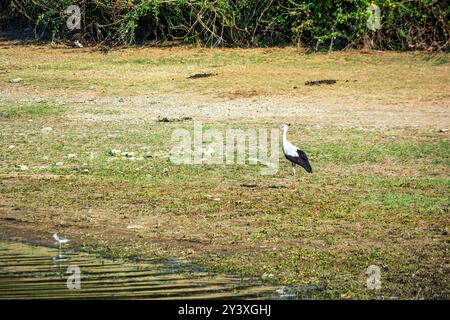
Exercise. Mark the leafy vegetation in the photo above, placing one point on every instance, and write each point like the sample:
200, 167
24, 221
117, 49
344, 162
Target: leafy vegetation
420, 24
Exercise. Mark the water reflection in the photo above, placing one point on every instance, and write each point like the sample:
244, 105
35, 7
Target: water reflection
36, 272
58, 263
28, 272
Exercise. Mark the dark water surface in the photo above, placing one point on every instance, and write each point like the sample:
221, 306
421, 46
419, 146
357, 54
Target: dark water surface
37, 272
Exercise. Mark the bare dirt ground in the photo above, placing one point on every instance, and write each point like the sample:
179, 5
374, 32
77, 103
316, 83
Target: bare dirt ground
373, 90
319, 111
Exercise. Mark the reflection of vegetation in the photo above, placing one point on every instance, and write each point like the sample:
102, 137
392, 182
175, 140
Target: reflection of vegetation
405, 25
107, 276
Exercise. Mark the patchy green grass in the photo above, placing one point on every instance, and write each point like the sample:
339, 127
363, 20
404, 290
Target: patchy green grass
31, 110
409, 202
370, 201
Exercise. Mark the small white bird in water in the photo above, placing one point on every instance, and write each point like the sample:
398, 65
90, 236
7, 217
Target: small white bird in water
60, 240
294, 154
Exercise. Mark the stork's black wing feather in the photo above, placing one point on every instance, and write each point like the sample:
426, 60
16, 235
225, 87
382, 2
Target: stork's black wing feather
301, 160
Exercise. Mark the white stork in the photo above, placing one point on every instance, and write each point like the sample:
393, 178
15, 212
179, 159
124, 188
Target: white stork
294, 154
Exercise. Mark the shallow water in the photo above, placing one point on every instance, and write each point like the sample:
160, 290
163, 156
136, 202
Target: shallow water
37, 272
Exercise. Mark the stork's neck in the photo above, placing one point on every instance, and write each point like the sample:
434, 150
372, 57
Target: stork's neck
284, 136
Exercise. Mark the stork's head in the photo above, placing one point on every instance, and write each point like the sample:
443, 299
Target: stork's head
284, 127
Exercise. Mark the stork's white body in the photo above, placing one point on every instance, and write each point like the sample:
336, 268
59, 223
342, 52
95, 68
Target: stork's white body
294, 154
288, 148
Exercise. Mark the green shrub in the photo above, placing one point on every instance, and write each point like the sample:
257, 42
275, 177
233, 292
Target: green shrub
420, 24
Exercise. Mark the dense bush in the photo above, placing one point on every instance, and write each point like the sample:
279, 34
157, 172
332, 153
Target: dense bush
420, 24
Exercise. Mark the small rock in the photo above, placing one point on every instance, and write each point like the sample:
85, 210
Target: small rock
134, 226
11, 146
312, 287
320, 82
15, 80
23, 167
78, 44
59, 164
202, 75
71, 156
149, 155
163, 119
209, 151
120, 100
443, 130
86, 170
139, 159
128, 154
114, 152
46, 129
